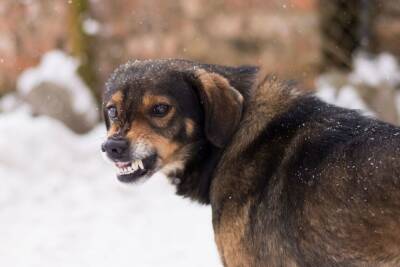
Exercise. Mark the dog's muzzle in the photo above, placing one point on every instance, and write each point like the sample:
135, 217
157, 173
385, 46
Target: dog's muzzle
131, 161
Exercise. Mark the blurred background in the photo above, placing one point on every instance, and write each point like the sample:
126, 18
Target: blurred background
60, 204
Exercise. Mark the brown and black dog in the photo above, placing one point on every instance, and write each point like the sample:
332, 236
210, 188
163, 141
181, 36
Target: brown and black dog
292, 181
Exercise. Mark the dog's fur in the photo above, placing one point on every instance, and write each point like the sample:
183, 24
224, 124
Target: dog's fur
292, 181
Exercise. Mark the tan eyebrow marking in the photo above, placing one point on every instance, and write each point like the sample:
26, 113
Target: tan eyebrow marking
149, 100
116, 99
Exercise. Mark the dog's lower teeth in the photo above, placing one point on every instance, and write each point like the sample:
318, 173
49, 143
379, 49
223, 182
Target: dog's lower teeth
124, 171
135, 165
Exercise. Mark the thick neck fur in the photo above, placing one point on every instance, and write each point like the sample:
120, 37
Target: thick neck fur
262, 104
197, 176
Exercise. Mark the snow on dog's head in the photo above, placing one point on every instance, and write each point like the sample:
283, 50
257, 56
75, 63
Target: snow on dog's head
170, 116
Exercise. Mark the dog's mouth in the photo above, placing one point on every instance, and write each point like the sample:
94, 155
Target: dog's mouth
131, 171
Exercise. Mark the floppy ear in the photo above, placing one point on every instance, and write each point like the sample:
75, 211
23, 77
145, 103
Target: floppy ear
222, 106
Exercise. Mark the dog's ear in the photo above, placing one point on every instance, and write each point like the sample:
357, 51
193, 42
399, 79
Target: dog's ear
222, 105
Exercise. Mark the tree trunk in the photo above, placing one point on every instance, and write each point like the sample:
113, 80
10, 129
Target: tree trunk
82, 45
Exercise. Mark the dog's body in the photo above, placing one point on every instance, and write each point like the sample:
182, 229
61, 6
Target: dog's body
292, 181
310, 185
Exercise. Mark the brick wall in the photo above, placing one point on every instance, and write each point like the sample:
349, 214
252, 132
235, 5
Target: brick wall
27, 30
280, 35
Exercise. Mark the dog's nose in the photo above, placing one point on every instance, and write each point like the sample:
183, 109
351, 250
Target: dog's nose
115, 148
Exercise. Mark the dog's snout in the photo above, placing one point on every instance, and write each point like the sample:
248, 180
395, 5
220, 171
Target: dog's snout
115, 148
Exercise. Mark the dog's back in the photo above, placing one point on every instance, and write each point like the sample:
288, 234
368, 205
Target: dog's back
317, 185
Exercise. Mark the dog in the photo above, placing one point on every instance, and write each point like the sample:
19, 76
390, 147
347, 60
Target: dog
291, 180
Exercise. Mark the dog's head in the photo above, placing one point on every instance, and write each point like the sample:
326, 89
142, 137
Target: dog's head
158, 113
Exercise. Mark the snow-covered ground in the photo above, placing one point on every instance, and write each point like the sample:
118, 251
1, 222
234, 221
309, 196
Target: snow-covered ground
61, 205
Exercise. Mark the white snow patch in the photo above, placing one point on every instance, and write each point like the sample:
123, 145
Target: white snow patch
375, 70
381, 70
325, 90
61, 205
11, 102
91, 26
61, 69
346, 97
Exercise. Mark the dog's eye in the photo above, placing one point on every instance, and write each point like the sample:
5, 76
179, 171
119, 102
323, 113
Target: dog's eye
160, 110
112, 113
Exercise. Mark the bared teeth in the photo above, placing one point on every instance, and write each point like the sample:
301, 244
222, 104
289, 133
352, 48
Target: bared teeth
135, 165
140, 164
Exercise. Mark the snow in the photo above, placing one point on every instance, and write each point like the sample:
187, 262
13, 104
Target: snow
91, 26
11, 102
59, 68
375, 70
378, 71
61, 205
346, 96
